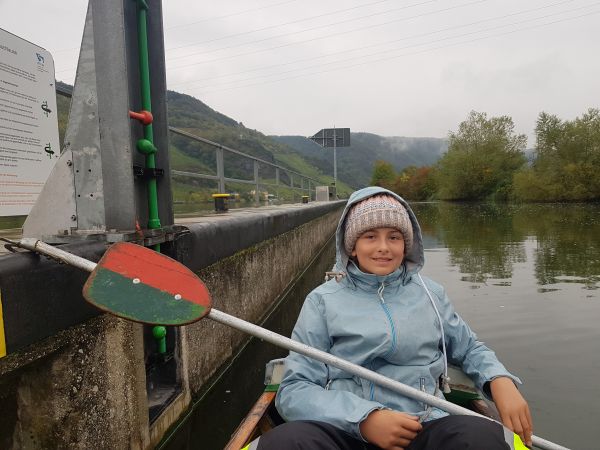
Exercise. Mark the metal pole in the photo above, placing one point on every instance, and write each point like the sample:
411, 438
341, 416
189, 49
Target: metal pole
334, 159
257, 195
294, 346
220, 170
149, 151
328, 358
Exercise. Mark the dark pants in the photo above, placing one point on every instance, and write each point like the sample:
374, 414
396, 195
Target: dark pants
447, 433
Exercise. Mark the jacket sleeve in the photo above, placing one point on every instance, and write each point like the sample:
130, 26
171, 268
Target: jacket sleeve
464, 349
303, 393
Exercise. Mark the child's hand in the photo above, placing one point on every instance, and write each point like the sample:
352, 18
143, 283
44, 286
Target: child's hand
390, 430
513, 409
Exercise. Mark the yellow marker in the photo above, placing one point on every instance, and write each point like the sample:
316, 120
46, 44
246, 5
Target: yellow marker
518, 443
513, 440
252, 445
2, 340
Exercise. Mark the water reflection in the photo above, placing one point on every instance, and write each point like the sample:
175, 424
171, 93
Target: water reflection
485, 241
568, 242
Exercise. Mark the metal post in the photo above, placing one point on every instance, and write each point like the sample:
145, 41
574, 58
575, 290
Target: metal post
220, 170
334, 159
256, 196
277, 182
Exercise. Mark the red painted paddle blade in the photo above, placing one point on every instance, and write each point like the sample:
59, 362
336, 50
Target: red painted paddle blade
136, 283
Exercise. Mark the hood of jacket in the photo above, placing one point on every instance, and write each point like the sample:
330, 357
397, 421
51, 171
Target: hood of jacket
413, 259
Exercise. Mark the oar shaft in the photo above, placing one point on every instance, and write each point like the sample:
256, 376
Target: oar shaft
332, 360
354, 369
289, 344
38, 246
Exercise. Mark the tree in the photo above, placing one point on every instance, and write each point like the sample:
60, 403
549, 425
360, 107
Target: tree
415, 183
481, 159
567, 157
383, 174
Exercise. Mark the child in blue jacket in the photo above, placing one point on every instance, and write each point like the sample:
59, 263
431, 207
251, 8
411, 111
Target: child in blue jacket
380, 313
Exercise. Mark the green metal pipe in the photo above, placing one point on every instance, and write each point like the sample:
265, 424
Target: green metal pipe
153, 219
159, 333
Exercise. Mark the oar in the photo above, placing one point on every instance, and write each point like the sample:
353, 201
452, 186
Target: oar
139, 284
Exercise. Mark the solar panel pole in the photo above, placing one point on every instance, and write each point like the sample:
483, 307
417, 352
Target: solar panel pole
327, 138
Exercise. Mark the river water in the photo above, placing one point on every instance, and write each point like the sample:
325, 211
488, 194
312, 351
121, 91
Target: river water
524, 277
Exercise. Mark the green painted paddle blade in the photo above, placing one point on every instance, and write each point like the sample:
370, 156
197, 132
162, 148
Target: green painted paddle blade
136, 283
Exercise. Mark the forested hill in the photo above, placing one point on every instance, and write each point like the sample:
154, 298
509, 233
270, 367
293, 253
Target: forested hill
355, 163
192, 115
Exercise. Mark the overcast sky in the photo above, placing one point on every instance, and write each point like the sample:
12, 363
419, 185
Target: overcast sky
391, 67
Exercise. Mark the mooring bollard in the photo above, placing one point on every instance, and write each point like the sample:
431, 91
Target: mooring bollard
305, 199
221, 202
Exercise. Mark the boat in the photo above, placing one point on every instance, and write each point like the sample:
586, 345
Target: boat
263, 416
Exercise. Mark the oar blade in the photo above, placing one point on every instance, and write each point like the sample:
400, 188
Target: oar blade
136, 283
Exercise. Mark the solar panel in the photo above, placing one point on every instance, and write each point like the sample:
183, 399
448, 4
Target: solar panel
325, 137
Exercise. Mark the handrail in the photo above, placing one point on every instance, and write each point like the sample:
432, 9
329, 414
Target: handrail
237, 152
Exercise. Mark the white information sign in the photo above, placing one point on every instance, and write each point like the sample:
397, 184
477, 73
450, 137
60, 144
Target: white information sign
29, 145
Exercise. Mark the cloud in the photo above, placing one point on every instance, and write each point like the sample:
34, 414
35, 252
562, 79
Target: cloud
292, 67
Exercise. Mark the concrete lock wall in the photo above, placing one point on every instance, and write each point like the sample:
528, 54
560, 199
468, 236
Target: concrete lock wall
85, 386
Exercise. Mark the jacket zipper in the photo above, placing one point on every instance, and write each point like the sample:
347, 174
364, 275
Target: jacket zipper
422, 387
389, 317
388, 314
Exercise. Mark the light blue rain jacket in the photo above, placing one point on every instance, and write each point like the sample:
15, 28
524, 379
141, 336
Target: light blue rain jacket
386, 324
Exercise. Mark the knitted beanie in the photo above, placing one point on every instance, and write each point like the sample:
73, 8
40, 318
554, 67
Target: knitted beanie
379, 211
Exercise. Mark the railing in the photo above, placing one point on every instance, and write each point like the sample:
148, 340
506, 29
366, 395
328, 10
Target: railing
306, 184
222, 179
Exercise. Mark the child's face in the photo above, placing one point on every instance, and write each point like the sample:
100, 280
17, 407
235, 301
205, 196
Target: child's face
379, 251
